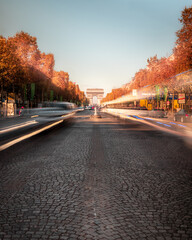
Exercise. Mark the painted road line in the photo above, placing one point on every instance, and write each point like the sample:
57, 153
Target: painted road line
17, 126
138, 117
167, 125
11, 143
177, 124
159, 122
181, 125
149, 118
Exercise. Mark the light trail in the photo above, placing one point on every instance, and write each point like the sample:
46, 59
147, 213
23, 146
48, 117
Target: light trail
11, 143
17, 126
157, 126
151, 123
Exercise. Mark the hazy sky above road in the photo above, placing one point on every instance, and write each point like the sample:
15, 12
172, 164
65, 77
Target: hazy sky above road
101, 43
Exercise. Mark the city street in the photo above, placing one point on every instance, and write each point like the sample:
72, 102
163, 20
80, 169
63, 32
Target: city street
97, 178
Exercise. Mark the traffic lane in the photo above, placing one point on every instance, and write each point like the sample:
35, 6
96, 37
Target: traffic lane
183, 130
144, 115
28, 158
18, 127
8, 139
32, 116
151, 172
97, 179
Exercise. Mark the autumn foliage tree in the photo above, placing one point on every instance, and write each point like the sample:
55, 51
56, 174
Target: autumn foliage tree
183, 49
71, 90
118, 92
161, 70
23, 64
10, 66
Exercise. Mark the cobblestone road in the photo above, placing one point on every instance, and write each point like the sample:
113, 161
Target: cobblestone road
97, 179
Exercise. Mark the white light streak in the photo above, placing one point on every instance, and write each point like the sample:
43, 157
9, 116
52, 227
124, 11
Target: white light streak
17, 126
11, 143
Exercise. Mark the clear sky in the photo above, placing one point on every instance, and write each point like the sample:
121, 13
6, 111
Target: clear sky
100, 43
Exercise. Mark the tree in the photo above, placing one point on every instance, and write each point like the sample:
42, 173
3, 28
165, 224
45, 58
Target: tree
26, 48
10, 69
22, 65
61, 79
46, 64
183, 49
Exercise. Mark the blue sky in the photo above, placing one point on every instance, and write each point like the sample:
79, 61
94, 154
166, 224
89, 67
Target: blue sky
101, 43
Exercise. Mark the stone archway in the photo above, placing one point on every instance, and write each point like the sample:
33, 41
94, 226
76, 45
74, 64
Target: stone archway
95, 92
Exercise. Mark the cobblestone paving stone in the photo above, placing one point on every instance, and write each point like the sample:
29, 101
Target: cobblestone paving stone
97, 179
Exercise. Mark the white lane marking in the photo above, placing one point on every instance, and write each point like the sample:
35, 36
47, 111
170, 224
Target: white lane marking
14, 127
11, 143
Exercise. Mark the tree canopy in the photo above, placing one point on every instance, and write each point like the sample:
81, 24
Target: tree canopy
22, 64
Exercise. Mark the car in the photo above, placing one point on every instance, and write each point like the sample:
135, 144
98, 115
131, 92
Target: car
183, 116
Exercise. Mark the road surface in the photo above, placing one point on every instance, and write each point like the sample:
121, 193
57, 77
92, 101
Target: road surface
97, 178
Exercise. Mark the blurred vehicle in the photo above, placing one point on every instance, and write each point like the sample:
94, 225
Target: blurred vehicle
51, 111
183, 116
157, 113
61, 105
80, 108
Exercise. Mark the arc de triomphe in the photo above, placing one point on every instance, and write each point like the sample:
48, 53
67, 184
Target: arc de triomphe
95, 92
